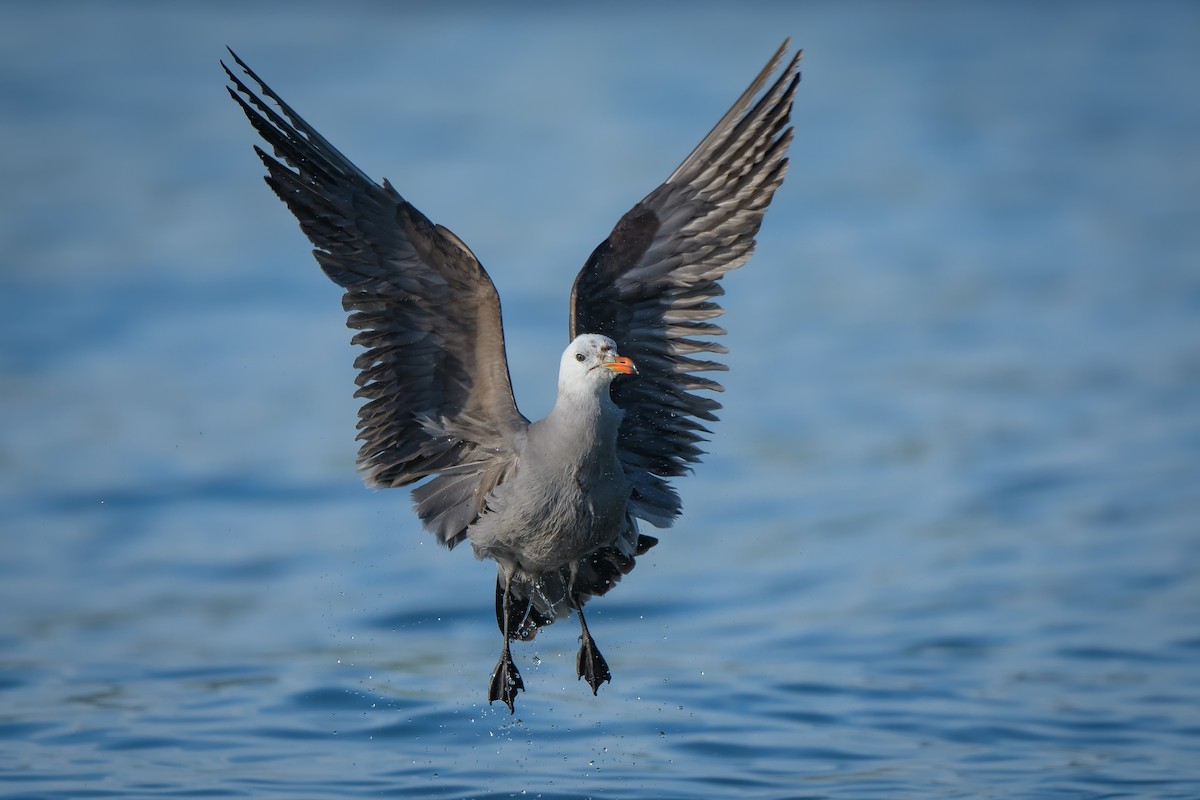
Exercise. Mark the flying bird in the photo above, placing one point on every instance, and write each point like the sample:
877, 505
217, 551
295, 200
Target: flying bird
556, 502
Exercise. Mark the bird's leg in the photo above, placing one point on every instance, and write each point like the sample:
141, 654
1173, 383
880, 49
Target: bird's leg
506, 681
589, 663
511, 613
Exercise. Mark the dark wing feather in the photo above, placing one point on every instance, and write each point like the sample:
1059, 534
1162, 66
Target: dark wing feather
434, 375
651, 286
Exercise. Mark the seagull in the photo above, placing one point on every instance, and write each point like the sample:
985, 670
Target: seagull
554, 503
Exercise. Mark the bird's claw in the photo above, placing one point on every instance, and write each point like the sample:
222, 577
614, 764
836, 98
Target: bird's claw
506, 682
589, 664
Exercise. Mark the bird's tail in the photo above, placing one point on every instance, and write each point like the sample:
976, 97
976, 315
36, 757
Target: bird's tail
537, 602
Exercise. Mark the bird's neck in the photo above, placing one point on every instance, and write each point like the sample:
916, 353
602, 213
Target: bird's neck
585, 417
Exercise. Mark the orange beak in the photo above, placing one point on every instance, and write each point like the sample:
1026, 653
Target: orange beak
622, 365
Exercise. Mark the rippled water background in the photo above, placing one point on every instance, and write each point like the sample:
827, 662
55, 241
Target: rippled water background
947, 543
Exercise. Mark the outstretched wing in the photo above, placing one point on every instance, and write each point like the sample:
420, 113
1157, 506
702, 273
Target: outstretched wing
651, 285
434, 375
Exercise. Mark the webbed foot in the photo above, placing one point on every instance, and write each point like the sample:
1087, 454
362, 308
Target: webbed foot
506, 681
590, 665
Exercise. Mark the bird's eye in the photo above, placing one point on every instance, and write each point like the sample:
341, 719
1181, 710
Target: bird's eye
580, 357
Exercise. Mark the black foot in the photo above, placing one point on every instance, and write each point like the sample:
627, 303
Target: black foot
590, 665
506, 682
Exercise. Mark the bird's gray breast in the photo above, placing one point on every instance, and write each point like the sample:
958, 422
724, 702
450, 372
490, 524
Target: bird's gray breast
567, 498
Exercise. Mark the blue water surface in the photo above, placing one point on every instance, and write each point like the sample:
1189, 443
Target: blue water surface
946, 542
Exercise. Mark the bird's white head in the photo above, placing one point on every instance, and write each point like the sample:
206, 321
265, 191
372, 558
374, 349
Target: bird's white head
592, 361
